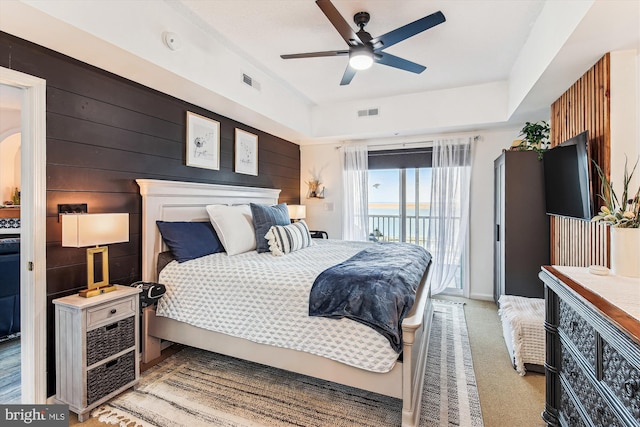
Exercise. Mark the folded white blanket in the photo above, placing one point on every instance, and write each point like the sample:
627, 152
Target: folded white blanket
525, 319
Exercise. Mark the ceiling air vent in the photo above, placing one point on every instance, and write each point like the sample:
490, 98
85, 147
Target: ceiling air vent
368, 112
250, 81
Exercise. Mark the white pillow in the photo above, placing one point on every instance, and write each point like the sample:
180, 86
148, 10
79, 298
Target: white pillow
284, 239
234, 226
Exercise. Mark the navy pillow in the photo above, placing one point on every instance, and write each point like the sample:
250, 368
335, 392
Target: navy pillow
189, 240
265, 217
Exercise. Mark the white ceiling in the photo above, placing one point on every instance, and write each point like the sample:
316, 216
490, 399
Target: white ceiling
492, 63
478, 43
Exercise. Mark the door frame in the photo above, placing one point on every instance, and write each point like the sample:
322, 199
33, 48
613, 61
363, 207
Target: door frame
33, 216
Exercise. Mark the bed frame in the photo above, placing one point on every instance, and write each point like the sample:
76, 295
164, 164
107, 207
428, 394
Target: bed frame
184, 201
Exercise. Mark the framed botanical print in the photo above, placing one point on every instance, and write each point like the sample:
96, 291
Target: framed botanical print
246, 152
203, 142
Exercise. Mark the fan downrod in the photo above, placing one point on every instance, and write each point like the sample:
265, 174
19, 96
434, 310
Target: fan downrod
361, 19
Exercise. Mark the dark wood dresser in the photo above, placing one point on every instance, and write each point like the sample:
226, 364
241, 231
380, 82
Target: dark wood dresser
592, 348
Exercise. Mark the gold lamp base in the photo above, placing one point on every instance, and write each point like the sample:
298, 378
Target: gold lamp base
95, 288
88, 293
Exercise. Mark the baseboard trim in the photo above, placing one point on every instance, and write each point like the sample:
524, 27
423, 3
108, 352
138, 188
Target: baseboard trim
483, 297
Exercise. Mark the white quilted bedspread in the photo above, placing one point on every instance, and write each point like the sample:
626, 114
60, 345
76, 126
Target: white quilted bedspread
265, 299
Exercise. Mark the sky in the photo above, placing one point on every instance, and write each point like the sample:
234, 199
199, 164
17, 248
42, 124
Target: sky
384, 185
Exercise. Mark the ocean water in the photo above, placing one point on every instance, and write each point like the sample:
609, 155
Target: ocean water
388, 229
394, 209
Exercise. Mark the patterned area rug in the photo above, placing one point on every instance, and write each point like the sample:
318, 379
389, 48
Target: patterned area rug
199, 388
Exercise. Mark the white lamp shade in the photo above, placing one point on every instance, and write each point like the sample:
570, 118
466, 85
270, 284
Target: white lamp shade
80, 230
297, 211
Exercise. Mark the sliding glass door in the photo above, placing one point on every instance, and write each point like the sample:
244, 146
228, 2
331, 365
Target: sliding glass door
399, 208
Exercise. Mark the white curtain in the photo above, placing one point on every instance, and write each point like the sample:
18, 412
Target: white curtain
355, 219
449, 214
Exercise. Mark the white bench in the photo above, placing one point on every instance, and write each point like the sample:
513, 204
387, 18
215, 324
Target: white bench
523, 329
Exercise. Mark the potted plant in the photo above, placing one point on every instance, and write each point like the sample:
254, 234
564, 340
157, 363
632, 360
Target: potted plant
536, 138
623, 215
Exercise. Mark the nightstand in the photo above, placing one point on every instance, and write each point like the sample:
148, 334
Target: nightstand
97, 343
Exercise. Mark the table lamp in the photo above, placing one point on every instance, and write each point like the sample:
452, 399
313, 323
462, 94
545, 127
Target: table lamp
82, 230
297, 212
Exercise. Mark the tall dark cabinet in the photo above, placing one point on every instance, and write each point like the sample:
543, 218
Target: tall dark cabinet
521, 226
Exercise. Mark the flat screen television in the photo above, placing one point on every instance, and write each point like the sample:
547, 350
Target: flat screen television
567, 178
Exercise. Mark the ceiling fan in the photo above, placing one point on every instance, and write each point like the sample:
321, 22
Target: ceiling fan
364, 50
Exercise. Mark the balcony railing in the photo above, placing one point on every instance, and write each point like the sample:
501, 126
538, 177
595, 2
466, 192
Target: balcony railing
386, 228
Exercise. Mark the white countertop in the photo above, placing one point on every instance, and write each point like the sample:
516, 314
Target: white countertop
623, 292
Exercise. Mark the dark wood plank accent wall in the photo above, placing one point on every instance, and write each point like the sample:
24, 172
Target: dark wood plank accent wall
103, 132
584, 106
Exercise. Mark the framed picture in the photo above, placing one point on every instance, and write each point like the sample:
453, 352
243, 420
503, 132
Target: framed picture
203, 142
246, 153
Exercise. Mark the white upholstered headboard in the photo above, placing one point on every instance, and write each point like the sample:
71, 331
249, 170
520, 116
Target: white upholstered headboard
185, 201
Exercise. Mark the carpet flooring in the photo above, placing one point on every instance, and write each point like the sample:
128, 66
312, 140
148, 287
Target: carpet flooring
196, 387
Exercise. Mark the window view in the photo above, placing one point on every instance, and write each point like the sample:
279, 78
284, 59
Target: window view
399, 208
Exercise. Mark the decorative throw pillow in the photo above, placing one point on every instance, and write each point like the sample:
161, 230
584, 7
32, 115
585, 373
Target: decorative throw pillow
265, 217
189, 240
234, 227
288, 238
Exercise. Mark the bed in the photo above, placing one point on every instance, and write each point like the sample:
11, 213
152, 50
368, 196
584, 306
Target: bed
182, 201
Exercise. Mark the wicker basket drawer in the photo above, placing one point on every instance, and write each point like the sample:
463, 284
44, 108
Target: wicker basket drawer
110, 339
110, 376
116, 310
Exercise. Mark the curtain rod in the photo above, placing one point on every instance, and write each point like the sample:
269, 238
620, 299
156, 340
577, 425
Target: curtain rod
476, 138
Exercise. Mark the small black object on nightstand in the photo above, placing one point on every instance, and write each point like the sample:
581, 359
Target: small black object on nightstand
151, 292
315, 234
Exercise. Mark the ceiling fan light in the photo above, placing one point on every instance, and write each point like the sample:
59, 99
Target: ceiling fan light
361, 60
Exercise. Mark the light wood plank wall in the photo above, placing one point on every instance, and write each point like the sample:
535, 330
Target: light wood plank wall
584, 106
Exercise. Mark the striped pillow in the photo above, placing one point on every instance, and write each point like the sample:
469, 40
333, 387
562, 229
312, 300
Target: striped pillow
288, 238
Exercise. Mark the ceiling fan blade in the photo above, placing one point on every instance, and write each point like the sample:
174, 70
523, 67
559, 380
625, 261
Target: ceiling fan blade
406, 31
338, 22
347, 76
397, 62
315, 54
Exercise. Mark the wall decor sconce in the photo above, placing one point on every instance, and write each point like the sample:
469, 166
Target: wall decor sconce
83, 230
297, 212
314, 192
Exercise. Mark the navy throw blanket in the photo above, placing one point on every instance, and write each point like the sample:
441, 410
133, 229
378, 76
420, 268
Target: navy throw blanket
376, 287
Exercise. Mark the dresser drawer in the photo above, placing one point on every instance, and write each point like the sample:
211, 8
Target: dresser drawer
110, 339
579, 332
568, 410
622, 377
110, 376
583, 386
111, 312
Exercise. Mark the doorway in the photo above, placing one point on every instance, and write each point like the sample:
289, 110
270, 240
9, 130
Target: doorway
10, 138
400, 209
32, 270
